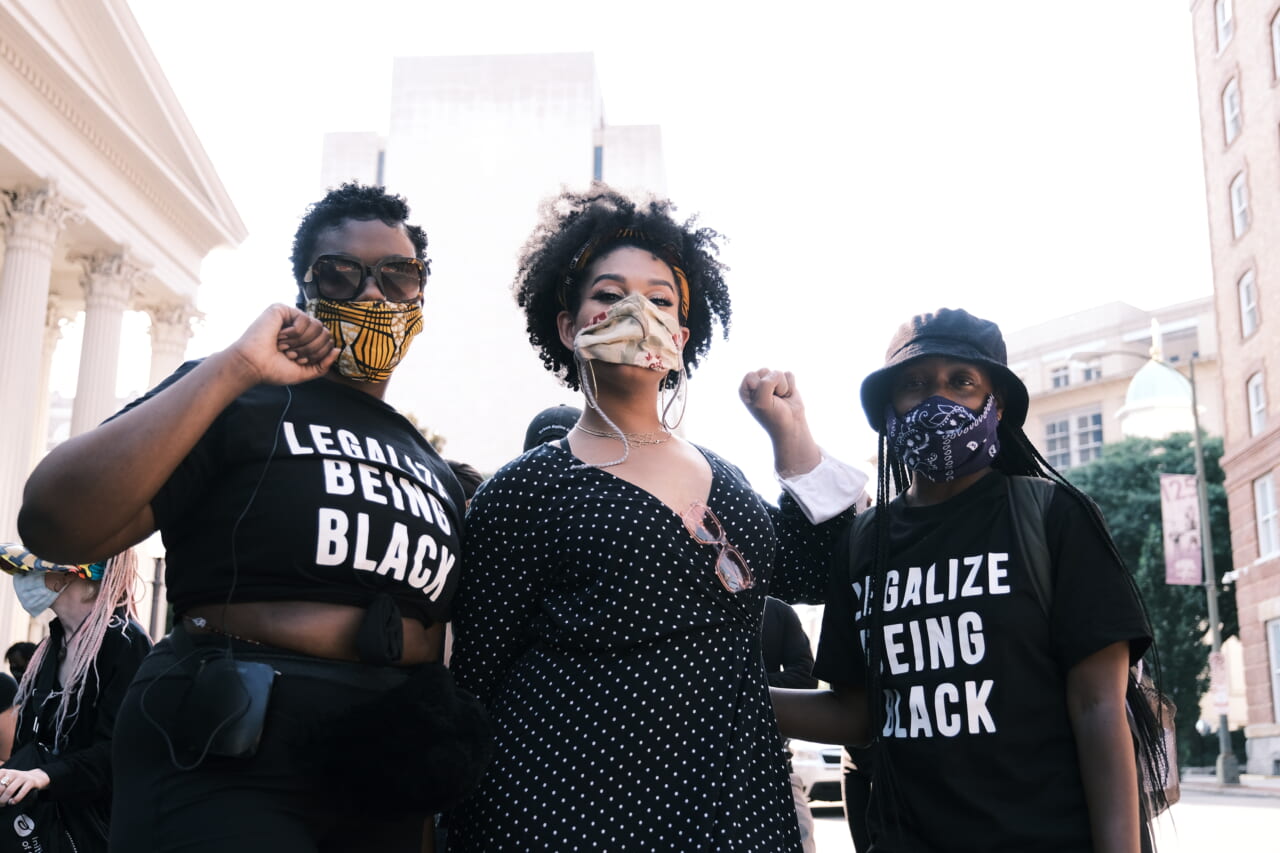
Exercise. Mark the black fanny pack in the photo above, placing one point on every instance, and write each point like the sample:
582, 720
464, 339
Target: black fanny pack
224, 709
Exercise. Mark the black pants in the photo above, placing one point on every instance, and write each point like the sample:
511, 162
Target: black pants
855, 785
272, 802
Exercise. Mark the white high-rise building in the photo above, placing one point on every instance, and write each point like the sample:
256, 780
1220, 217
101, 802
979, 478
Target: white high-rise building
475, 144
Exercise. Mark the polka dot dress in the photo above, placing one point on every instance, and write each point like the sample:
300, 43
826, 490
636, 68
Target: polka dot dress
624, 681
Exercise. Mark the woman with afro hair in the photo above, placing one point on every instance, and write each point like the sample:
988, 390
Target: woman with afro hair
609, 615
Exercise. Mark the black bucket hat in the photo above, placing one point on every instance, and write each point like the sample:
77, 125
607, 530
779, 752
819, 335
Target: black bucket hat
952, 334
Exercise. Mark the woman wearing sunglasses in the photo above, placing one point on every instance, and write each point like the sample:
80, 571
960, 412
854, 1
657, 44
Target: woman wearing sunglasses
312, 540
610, 612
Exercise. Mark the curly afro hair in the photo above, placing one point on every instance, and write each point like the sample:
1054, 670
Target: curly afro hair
605, 219
352, 201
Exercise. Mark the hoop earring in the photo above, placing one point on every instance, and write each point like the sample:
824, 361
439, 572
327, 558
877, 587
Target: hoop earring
681, 393
589, 388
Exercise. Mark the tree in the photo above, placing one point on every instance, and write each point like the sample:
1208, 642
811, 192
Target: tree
1125, 483
435, 439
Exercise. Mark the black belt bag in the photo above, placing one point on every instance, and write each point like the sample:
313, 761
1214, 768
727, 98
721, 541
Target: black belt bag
224, 710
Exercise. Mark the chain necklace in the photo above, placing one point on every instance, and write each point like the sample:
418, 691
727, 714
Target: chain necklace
639, 439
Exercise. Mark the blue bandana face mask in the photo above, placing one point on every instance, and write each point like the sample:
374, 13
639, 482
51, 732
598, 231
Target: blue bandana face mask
942, 440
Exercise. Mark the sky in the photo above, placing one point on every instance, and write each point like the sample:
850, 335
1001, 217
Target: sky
866, 161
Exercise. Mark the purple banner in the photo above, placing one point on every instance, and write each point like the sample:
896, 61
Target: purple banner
1180, 510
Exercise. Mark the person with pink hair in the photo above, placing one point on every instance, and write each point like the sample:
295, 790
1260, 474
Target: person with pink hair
77, 677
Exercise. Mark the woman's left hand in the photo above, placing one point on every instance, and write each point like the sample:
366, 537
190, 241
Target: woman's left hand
16, 784
774, 400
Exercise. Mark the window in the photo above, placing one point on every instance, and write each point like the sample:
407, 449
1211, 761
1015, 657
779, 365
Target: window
1074, 438
1273, 645
1257, 404
1275, 56
1264, 508
1226, 22
1058, 444
1231, 111
597, 163
1060, 377
1248, 292
1093, 371
1088, 437
1239, 205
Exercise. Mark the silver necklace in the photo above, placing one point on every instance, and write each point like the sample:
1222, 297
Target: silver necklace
639, 439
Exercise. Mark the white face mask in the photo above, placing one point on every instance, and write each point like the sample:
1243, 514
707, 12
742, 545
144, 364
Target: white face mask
33, 595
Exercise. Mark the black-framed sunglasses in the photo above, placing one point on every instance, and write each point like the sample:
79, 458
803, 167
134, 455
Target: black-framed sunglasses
341, 277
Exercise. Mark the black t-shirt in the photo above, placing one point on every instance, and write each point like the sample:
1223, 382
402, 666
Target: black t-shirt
976, 730
354, 502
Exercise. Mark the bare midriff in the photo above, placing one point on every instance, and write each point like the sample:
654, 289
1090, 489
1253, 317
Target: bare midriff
311, 628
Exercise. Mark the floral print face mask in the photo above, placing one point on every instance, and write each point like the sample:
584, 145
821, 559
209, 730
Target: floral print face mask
633, 331
943, 440
371, 337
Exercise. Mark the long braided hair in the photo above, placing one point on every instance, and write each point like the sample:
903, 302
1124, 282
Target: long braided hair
1017, 457
116, 590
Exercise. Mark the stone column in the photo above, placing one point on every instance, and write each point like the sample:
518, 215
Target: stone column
170, 331
56, 318
36, 218
108, 286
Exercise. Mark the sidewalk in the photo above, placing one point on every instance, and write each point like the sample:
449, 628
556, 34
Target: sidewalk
1251, 785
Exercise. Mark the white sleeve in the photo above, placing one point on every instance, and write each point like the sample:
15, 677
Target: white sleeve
827, 490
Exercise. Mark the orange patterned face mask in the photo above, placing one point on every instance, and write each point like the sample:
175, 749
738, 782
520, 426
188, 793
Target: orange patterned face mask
371, 337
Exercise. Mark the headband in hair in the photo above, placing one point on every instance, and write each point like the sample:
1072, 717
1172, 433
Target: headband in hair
668, 253
14, 559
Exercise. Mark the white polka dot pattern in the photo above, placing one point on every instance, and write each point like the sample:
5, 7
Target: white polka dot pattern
624, 681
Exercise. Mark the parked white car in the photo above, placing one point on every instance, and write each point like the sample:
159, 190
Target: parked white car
818, 765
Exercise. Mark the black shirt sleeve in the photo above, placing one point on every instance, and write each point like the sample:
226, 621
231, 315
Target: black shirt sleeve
1094, 601
840, 655
804, 552
500, 592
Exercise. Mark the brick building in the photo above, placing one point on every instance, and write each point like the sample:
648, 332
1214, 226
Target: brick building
1237, 50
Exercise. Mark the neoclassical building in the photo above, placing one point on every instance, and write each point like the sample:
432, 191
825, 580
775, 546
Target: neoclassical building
108, 204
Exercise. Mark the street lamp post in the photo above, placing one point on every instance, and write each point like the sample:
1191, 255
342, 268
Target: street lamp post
1226, 768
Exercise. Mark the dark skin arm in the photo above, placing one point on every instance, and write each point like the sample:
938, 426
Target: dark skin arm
838, 715
90, 498
1096, 706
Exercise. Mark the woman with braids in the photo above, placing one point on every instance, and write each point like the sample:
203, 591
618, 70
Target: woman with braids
72, 690
312, 540
998, 710
610, 611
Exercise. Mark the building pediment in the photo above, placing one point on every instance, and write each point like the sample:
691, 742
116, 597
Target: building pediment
87, 63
